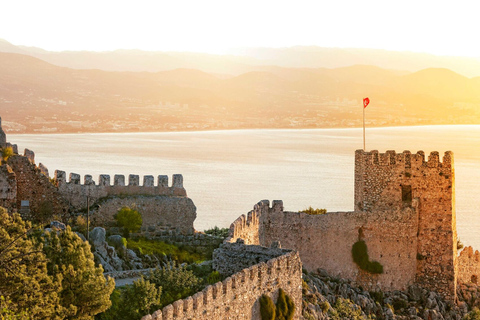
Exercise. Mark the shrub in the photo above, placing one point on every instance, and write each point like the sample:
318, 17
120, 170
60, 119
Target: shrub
214, 277
128, 219
377, 296
312, 211
218, 232
360, 257
176, 282
345, 309
399, 304
472, 315
7, 153
325, 306
459, 244
267, 308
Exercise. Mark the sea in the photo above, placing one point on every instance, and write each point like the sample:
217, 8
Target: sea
226, 172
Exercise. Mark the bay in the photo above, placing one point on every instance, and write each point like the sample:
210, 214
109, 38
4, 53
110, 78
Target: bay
227, 172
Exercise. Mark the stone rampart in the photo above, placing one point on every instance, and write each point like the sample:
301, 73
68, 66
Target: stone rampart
76, 193
469, 266
35, 188
237, 297
325, 241
8, 188
231, 258
387, 181
160, 214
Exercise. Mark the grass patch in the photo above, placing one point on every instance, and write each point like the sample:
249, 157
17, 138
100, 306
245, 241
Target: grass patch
160, 249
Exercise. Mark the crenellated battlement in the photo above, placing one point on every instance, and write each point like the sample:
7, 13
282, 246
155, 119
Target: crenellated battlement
247, 227
218, 301
77, 192
405, 159
104, 180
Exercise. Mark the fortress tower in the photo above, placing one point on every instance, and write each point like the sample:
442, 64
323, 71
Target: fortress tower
386, 183
3, 136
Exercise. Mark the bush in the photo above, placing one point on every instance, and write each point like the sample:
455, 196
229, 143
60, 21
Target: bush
472, 315
218, 232
214, 277
360, 257
176, 282
312, 211
128, 219
377, 296
399, 304
325, 306
7, 153
345, 309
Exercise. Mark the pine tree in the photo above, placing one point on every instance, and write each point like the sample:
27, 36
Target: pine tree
85, 291
24, 282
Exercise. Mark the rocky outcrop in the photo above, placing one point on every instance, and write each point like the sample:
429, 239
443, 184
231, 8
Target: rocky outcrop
332, 298
107, 256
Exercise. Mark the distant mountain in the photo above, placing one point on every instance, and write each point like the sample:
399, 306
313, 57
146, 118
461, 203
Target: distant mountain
247, 60
36, 96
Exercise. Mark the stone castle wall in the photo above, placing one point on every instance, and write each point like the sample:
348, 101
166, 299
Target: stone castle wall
76, 193
237, 297
325, 241
469, 266
35, 187
386, 181
8, 188
160, 214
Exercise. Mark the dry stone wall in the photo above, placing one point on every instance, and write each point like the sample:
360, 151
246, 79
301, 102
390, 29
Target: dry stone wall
237, 297
389, 180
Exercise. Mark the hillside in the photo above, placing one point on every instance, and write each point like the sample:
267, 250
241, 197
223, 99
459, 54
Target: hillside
36, 96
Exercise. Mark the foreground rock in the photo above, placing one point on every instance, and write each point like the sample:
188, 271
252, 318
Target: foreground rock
331, 298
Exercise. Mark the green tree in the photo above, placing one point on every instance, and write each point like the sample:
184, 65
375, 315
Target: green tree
85, 291
140, 299
267, 308
129, 219
176, 282
285, 306
24, 281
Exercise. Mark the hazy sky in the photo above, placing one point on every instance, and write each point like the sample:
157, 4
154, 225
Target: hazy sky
439, 27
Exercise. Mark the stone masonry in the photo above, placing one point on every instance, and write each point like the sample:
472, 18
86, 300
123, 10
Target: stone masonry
237, 297
404, 211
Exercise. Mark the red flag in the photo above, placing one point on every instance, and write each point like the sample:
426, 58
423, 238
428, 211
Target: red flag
366, 101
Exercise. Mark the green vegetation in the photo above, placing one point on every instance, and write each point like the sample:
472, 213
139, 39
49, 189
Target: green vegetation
48, 275
176, 282
459, 244
284, 310
162, 249
267, 308
218, 232
24, 281
285, 306
325, 306
345, 309
7, 153
472, 315
313, 211
377, 296
128, 219
360, 257
133, 301
85, 291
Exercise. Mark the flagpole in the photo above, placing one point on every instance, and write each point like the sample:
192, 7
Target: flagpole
363, 127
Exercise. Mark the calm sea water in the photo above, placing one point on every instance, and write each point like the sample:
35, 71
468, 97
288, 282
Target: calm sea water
227, 172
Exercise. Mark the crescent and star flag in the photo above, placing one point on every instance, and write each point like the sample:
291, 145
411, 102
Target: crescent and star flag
366, 101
